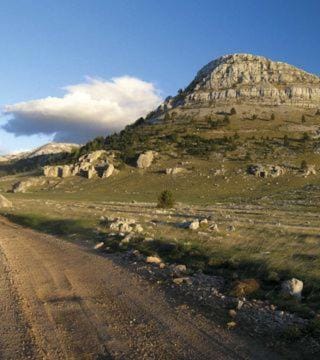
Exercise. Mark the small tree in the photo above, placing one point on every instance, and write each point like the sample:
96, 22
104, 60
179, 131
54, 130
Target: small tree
303, 119
304, 165
233, 111
286, 141
166, 116
254, 117
236, 136
272, 116
166, 200
305, 137
248, 157
317, 112
226, 120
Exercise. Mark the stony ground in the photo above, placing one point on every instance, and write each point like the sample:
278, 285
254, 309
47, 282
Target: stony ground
273, 235
69, 302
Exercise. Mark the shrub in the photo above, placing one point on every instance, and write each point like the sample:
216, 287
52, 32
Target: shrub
303, 119
314, 328
138, 122
272, 117
236, 136
304, 165
305, 136
245, 287
286, 141
233, 111
166, 200
292, 333
216, 124
167, 116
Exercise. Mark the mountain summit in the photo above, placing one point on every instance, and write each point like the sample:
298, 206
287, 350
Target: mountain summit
249, 79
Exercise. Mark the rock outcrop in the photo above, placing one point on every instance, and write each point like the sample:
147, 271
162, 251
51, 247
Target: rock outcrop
249, 79
309, 170
264, 171
24, 185
175, 170
4, 202
108, 171
95, 164
145, 160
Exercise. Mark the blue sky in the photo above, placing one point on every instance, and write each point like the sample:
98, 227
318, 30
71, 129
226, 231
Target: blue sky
47, 45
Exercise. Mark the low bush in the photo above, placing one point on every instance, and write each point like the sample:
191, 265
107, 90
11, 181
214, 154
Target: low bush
166, 200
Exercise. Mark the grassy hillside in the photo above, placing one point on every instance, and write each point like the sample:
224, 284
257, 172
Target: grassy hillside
276, 220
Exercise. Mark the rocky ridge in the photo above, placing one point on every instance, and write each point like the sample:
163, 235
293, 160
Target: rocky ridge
47, 149
95, 164
250, 79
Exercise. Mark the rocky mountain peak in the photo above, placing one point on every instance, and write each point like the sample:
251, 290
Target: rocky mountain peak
251, 79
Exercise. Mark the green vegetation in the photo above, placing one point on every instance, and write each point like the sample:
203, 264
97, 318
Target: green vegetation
199, 146
216, 124
276, 219
245, 288
166, 200
304, 165
305, 137
271, 241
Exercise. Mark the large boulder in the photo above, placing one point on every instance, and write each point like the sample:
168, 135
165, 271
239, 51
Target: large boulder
108, 171
145, 160
58, 171
93, 156
95, 164
4, 202
91, 173
175, 170
24, 185
65, 171
51, 171
309, 170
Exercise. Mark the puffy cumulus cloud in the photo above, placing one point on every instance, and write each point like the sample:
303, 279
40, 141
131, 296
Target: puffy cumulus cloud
93, 108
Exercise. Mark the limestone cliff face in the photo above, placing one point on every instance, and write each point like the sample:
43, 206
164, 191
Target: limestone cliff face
245, 78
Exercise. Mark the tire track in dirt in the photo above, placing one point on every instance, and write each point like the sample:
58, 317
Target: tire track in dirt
83, 306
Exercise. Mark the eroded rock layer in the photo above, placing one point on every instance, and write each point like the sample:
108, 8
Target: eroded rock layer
245, 78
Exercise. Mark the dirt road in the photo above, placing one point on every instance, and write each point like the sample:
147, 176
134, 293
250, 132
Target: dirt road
62, 301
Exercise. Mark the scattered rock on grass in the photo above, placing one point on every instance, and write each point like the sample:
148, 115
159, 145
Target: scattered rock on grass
194, 225
231, 325
180, 269
292, 288
182, 280
232, 313
124, 226
153, 260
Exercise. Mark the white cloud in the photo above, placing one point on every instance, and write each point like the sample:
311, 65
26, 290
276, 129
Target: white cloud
96, 107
